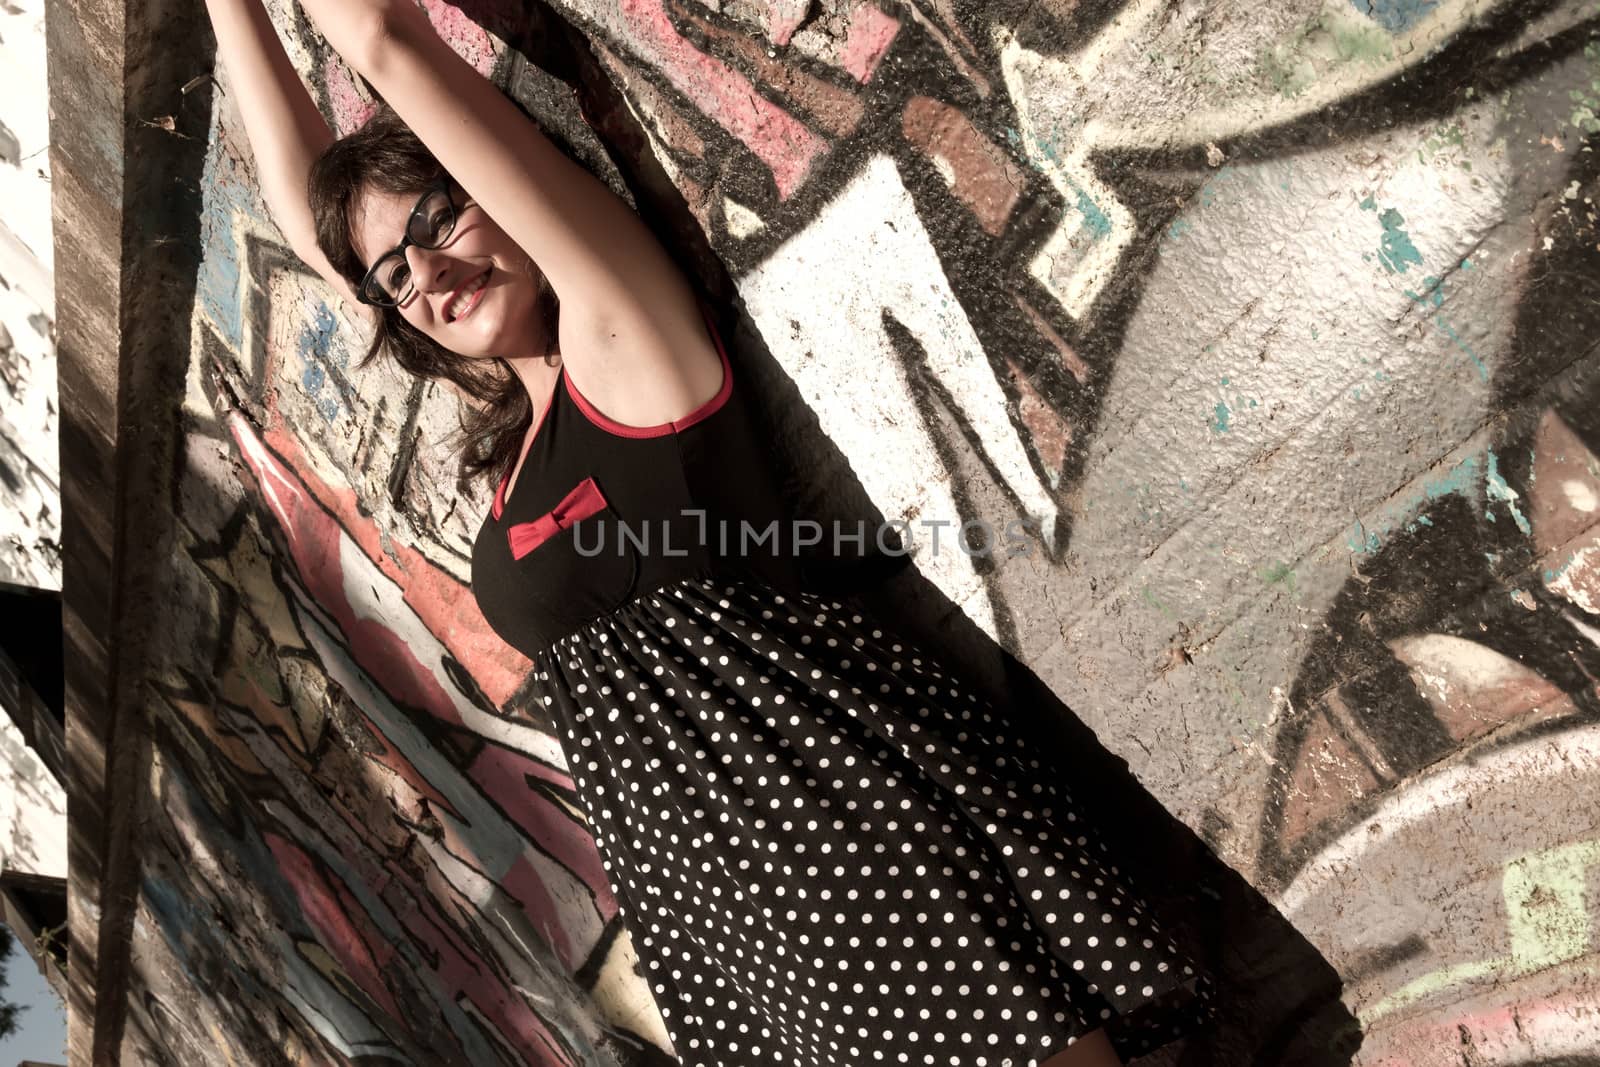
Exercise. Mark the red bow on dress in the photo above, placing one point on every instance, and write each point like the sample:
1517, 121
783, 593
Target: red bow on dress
584, 500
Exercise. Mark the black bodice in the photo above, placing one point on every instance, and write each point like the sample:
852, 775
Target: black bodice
603, 513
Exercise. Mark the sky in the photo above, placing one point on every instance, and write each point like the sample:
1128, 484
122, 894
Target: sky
42, 1025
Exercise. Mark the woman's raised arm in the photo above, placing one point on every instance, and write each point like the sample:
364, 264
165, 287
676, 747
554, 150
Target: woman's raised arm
619, 289
285, 129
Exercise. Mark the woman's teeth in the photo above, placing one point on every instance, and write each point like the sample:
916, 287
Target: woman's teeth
465, 299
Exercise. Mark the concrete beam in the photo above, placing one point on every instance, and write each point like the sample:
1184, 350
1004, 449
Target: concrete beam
120, 242
86, 90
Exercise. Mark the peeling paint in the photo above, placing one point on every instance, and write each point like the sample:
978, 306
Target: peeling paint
1496, 489
1395, 251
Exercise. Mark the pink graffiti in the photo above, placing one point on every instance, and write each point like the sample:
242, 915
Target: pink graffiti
502, 774
868, 38
1502, 1033
777, 138
440, 601
315, 537
469, 40
335, 928
350, 110
458, 969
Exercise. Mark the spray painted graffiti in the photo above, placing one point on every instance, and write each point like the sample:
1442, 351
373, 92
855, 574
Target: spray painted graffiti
1280, 321
1458, 677
430, 891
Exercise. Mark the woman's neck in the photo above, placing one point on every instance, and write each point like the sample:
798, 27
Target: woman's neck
535, 373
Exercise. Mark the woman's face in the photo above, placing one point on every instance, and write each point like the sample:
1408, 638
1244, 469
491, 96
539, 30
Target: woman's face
479, 295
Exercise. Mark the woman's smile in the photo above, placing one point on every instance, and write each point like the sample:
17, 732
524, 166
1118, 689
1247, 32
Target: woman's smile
477, 272
467, 297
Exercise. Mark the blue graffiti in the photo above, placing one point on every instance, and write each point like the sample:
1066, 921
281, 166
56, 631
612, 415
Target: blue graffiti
1396, 16
315, 344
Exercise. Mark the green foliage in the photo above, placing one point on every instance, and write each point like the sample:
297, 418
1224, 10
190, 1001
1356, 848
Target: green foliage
8, 1011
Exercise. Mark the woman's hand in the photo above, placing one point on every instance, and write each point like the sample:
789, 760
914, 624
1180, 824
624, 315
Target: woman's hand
618, 287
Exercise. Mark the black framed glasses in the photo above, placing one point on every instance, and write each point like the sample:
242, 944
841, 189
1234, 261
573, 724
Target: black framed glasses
389, 283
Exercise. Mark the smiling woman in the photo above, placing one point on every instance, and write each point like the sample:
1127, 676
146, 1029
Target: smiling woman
439, 272
407, 242
828, 850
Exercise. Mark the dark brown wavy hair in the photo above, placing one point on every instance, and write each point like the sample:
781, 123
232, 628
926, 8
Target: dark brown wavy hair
385, 156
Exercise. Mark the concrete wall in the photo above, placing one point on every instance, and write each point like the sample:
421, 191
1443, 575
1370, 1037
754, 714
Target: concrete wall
1280, 320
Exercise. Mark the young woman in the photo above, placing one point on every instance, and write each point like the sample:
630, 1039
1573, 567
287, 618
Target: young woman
828, 851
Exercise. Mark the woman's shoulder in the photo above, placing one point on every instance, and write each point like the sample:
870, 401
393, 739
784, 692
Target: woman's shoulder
643, 375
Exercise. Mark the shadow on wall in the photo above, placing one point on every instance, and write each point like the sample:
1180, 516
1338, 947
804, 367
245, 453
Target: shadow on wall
125, 200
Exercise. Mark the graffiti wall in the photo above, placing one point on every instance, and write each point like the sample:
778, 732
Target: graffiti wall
1278, 324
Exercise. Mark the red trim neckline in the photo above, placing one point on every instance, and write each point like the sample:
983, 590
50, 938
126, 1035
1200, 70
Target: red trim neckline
610, 425
661, 429
500, 490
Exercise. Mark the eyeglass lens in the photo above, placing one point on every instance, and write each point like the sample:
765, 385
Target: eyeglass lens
429, 226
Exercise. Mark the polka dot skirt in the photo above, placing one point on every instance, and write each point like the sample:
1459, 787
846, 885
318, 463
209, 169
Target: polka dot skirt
830, 852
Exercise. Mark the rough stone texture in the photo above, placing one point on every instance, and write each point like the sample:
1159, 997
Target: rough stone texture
30, 466
86, 157
1278, 323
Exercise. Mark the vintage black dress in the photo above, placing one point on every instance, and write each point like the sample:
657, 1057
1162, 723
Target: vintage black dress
828, 850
